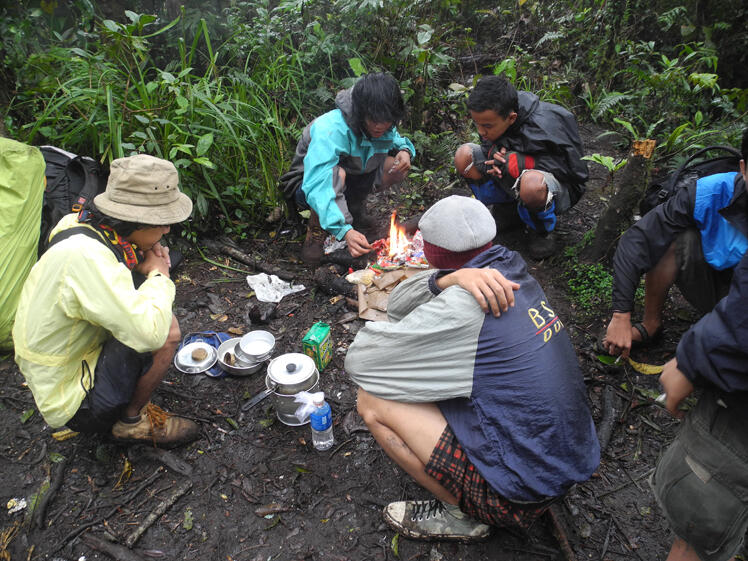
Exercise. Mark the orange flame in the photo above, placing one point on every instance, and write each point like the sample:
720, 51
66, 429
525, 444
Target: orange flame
398, 240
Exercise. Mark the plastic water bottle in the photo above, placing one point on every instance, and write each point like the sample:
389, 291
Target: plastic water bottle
321, 421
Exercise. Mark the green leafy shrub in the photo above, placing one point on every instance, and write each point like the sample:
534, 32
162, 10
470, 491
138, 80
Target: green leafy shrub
589, 286
226, 92
224, 129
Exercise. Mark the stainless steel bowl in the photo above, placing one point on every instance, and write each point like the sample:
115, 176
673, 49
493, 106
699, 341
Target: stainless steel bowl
255, 346
239, 368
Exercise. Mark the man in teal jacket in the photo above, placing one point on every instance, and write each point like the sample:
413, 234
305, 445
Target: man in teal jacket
344, 154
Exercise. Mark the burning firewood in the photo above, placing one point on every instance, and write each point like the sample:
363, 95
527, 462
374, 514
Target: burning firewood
399, 250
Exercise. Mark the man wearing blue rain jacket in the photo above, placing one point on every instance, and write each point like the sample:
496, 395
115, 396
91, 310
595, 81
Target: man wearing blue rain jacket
691, 240
342, 156
701, 478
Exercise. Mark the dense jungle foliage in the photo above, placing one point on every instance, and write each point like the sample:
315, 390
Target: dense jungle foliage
224, 87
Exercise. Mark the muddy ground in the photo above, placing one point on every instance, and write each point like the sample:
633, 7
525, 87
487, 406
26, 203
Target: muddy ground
254, 489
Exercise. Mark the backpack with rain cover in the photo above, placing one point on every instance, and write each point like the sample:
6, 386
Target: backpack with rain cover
71, 182
21, 190
665, 186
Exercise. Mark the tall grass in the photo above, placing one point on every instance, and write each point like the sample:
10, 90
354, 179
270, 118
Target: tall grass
227, 130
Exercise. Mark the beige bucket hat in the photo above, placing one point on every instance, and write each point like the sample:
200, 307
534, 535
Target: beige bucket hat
144, 189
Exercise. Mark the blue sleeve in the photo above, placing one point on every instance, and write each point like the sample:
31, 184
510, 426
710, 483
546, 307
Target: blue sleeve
327, 144
402, 143
715, 349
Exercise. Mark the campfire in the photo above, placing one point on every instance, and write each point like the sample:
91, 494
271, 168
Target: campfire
397, 258
398, 250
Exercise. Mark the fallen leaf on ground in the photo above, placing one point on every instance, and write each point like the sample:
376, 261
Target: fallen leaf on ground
64, 434
648, 369
270, 508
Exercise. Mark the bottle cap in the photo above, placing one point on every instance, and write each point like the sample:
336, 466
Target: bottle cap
318, 398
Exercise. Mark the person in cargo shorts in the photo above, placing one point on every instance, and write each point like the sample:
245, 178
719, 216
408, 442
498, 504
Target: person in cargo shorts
701, 480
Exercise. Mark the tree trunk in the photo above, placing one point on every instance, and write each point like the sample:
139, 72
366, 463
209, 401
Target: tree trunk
628, 188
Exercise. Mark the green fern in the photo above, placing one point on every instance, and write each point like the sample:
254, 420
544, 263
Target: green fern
550, 36
677, 15
608, 101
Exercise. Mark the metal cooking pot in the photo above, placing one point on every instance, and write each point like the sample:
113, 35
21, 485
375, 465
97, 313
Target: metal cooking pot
288, 375
238, 368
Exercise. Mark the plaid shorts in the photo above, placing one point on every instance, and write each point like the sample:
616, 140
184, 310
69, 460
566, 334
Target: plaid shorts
450, 466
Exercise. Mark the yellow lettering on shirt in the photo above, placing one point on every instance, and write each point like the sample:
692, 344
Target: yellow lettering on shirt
547, 309
536, 318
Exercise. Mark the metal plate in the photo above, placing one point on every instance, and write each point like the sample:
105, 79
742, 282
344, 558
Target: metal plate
185, 362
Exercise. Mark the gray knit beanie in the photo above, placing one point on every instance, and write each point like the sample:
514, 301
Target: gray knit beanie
458, 224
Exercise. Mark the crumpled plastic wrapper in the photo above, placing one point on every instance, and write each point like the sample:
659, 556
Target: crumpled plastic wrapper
362, 276
306, 401
269, 288
412, 256
16, 505
331, 244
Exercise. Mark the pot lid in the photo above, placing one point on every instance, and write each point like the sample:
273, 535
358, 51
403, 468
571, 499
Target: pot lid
195, 357
291, 368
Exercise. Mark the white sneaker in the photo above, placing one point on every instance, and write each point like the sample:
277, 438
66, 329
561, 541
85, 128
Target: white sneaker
433, 520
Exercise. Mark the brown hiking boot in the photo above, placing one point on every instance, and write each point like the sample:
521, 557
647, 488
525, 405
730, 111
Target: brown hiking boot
411, 224
364, 223
157, 426
311, 251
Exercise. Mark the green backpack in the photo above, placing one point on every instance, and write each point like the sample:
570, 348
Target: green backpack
21, 192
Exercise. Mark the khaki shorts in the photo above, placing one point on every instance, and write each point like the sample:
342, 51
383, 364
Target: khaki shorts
699, 283
701, 480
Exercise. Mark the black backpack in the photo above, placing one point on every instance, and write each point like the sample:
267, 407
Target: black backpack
71, 181
664, 186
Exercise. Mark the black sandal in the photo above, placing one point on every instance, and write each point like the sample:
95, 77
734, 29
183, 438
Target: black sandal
646, 339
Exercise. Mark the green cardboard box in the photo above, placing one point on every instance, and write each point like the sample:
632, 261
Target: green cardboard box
317, 344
